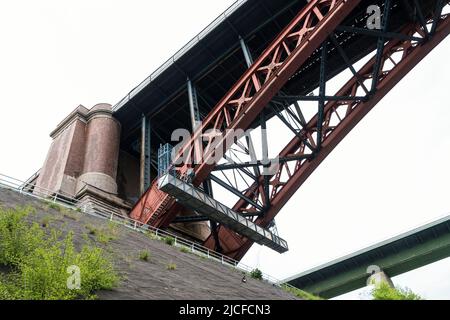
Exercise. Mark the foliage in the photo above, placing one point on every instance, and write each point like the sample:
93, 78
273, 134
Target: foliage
55, 206
144, 255
45, 222
171, 267
106, 234
17, 239
169, 240
39, 262
256, 274
384, 291
151, 235
91, 230
300, 293
185, 250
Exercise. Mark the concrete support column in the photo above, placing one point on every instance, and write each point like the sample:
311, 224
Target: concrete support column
380, 277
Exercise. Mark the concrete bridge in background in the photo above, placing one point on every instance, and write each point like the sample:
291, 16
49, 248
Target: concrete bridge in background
403, 253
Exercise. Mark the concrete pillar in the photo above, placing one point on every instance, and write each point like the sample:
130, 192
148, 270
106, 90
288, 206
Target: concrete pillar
380, 277
102, 150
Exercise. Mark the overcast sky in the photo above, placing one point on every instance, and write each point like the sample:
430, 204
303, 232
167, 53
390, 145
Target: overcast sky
389, 175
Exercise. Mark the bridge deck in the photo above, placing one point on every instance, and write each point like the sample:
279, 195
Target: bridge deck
411, 250
213, 60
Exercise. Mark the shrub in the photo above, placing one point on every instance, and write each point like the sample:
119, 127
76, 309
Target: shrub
256, 274
104, 235
144, 255
39, 263
109, 233
169, 240
17, 239
185, 250
45, 222
171, 267
91, 230
55, 206
151, 235
384, 291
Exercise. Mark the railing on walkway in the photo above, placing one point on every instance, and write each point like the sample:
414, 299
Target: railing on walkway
69, 202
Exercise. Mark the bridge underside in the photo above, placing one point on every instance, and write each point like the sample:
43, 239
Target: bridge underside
395, 256
289, 78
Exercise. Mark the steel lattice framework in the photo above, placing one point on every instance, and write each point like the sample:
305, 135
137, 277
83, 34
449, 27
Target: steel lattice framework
259, 95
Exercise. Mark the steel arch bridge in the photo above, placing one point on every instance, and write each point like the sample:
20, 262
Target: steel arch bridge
324, 38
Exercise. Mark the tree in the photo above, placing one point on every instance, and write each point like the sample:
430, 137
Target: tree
384, 291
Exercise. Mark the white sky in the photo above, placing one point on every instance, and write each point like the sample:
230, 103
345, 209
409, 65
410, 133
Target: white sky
388, 176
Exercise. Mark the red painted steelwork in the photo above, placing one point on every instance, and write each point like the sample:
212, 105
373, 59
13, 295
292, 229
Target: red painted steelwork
256, 88
340, 118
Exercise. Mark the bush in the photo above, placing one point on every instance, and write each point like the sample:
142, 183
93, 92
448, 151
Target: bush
45, 223
171, 267
39, 263
384, 291
91, 230
144, 255
109, 233
17, 239
185, 250
169, 240
104, 235
256, 274
55, 206
151, 235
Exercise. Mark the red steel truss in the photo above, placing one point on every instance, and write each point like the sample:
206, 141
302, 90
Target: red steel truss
399, 57
257, 88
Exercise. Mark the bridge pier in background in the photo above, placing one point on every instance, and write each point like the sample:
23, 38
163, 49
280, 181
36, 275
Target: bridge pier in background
380, 277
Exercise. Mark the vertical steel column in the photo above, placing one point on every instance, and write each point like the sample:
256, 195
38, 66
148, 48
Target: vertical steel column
193, 105
247, 55
265, 148
322, 94
265, 159
207, 185
145, 176
380, 46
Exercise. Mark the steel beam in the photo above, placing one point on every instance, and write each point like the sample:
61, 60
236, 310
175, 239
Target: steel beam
377, 33
411, 54
380, 46
194, 110
403, 253
246, 51
145, 163
257, 87
199, 201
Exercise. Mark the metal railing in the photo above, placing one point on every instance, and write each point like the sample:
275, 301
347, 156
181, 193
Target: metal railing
69, 202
